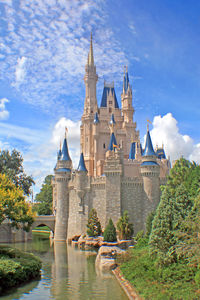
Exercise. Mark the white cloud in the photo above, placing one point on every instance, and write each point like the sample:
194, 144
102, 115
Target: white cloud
20, 71
4, 114
165, 131
51, 50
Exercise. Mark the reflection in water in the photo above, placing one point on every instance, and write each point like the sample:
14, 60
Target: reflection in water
67, 273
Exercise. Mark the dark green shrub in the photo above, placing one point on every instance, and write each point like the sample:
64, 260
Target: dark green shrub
109, 234
139, 235
17, 267
197, 278
124, 227
94, 225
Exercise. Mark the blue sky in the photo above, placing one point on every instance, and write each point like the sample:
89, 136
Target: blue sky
43, 51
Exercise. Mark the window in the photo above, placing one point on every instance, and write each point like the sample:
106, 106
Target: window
110, 109
104, 145
110, 102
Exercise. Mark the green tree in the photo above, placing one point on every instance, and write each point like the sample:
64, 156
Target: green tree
124, 227
13, 205
11, 164
109, 234
93, 225
45, 197
149, 221
175, 206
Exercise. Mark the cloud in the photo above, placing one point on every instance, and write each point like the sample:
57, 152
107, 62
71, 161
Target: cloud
166, 131
49, 40
20, 70
4, 114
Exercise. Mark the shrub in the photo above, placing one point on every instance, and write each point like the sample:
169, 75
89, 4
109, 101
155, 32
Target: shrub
94, 225
110, 232
197, 278
124, 227
17, 267
139, 235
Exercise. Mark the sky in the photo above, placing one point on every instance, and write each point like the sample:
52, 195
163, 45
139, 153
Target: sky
43, 52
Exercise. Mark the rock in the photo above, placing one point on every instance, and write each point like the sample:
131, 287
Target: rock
106, 257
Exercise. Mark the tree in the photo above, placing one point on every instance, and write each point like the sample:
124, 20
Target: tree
45, 197
13, 206
176, 204
109, 234
124, 227
149, 221
94, 225
12, 166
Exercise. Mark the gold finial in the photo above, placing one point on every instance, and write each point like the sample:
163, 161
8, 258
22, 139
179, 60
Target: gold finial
111, 128
66, 132
148, 122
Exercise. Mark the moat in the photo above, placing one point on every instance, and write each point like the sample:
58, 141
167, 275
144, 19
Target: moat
67, 273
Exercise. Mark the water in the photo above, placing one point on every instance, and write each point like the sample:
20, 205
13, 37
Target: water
67, 273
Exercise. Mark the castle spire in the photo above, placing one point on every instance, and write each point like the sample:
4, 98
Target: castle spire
81, 165
148, 151
65, 153
126, 79
90, 55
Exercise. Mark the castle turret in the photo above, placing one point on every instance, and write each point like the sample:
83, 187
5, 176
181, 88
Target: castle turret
150, 171
62, 177
126, 98
90, 80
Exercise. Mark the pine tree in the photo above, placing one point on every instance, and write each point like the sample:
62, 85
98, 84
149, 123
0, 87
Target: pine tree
124, 227
94, 225
110, 232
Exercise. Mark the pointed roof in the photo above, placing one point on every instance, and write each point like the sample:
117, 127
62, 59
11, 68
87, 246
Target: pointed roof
160, 153
96, 118
148, 151
106, 91
59, 154
132, 151
112, 142
90, 55
81, 165
65, 152
112, 119
126, 80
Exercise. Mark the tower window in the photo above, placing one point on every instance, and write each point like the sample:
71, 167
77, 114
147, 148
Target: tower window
104, 145
110, 102
110, 109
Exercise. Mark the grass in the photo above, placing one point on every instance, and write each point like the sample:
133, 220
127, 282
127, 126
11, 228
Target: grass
42, 230
175, 281
17, 267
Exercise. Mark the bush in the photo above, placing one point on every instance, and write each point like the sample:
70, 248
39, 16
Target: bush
109, 234
197, 278
17, 267
94, 225
124, 227
139, 235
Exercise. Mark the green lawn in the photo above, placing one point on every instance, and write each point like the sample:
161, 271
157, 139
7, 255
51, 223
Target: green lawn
152, 282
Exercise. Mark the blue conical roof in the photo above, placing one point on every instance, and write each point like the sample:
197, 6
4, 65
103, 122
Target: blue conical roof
112, 142
59, 154
81, 165
148, 151
132, 151
96, 118
126, 81
65, 153
112, 119
107, 90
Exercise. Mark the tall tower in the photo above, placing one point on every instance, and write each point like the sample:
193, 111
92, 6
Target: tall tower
126, 97
90, 108
150, 171
90, 80
62, 177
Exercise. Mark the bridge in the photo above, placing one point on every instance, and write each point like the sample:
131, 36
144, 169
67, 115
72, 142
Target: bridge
48, 221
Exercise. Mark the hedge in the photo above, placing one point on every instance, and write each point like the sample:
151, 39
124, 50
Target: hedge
17, 267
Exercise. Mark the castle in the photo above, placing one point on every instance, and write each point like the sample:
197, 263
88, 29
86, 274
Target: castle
114, 172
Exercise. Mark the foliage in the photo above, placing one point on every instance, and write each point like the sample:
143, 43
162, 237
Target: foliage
149, 221
13, 205
17, 267
176, 204
11, 164
94, 225
139, 235
175, 281
45, 198
110, 232
124, 227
